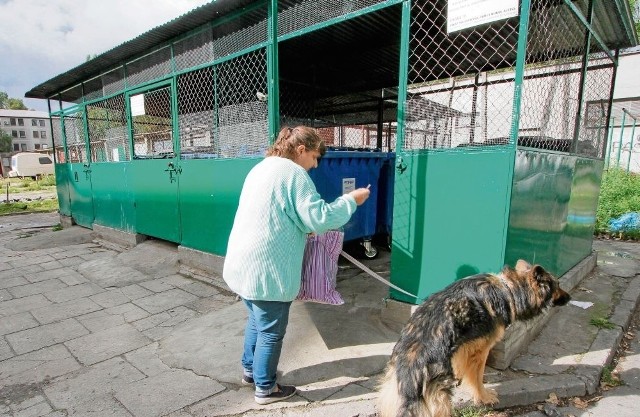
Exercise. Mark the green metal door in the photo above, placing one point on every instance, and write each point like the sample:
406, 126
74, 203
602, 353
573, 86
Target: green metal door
79, 180
155, 168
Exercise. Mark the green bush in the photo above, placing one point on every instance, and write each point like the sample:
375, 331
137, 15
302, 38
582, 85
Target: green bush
619, 194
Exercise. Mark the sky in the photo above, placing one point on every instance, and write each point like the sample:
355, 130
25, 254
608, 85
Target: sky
40, 39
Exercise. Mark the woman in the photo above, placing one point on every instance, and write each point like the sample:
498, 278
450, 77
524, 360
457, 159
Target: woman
279, 206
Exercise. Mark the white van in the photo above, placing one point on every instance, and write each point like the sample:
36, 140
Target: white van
31, 164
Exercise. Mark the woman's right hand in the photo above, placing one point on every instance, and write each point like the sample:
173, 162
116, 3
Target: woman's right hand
360, 195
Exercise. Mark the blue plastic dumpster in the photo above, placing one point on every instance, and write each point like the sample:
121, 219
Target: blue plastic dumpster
342, 171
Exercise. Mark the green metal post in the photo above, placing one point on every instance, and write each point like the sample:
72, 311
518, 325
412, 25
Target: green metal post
403, 78
633, 132
273, 87
174, 116
583, 78
608, 155
85, 128
523, 33
624, 114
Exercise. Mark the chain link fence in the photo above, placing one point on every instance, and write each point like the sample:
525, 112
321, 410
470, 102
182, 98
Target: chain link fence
74, 134
107, 125
57, 139
151, 120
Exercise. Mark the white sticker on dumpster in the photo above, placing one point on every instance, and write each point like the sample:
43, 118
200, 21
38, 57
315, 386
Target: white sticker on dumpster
348, 185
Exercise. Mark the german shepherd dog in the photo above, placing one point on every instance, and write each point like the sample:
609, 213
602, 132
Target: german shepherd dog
448, 338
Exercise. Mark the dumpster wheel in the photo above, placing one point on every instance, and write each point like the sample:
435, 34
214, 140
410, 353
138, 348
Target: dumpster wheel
370, 251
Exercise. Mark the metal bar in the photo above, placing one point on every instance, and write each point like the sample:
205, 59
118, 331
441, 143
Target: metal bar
53, 143
403, 72
380, 126
633, 132
622, 5
608, 145
85, 128
523, 33
580, 16
610, 102
624, 114
583, 78
273, 84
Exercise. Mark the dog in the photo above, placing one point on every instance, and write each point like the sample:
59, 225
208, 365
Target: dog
447, 340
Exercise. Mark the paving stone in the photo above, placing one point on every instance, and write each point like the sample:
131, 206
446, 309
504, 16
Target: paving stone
110, 298
129, 312
146, 359
105, 406
26, 261
5, 295
17, 322
200, 289
48, 266
19, 305
157, 395
72, 261
31, 270
4, 266
100, 320
28, 403
57, 312
36, 288
73, 278
70, 293
5, 350
156, 285
164, 300
11, 280
37, 410
35, 367
133, 292
93, 382
105, 344
46, 335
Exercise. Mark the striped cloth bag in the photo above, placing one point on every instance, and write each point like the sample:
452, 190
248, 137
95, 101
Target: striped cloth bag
320, 268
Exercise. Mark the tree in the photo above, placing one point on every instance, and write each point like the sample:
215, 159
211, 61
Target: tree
10, 103
635, 12
5, 142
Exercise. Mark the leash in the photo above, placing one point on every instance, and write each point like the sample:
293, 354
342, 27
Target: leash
375, 275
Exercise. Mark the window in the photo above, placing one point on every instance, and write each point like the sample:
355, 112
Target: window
36, 134
34, 122
14, 133
23, 134
45, 146
41, 123
13, 121
37, 146
43, 134
16, 147
23, 147
45, 160
20, 122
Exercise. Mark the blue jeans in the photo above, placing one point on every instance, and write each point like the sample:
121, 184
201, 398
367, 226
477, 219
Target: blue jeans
263, 335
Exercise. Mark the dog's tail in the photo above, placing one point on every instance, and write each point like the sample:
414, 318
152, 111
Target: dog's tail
434, 399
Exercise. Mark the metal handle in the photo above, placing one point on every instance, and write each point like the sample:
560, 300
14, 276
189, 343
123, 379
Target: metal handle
401, 167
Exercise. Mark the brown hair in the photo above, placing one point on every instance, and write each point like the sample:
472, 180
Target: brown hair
289, 139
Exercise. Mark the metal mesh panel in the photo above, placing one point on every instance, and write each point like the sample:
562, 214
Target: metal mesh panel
196, 113
460, 85
592, 133
292, 16
551, 92
242, 106
93, 89
107, 125
358, 137
152, 127
113, 81
225, 44
58, 143
150, 67
74, 134
70, 97
194, 50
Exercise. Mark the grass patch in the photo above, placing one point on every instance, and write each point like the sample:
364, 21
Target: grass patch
37, 206
602, 323
471, 411
57, 227
609, 378
21, 185
619, 194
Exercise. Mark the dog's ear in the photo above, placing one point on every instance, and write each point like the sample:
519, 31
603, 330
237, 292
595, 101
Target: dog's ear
522, 265
538, 273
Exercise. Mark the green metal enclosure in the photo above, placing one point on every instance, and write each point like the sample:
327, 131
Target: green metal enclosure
494, 129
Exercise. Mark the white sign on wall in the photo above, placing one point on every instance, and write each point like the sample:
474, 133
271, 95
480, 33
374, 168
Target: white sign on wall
463, 14
137, 105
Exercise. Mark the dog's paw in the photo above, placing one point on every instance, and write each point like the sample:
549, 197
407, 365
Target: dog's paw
487, 396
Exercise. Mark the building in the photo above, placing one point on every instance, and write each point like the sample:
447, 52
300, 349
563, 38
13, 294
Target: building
30, 130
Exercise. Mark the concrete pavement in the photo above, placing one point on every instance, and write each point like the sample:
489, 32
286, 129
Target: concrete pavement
89, 328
